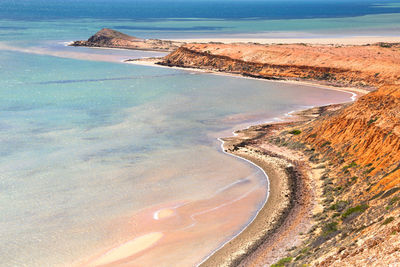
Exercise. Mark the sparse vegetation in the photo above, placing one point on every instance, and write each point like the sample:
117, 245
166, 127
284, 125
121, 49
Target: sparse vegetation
325, 144
386, 45
388, 220
351, 165
353, 210
394, 200
329, 228
339, 206
282, 262
372, 120
369, 170
295, 132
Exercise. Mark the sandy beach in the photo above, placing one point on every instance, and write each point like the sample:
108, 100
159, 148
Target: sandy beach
293, 197
353, 40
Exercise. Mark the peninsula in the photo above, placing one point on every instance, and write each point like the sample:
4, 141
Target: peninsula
108, 38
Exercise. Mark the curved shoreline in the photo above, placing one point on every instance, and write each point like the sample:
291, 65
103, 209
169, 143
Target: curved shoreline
283, 183
152, 62
285, 190
290, 200
257, 213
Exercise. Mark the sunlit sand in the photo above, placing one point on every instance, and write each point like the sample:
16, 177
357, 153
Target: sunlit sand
130, 248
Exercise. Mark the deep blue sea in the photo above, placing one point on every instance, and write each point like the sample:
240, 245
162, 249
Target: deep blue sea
183, 9
104, 162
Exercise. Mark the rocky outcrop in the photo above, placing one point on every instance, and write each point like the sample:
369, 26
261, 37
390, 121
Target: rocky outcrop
113, 39
361, 66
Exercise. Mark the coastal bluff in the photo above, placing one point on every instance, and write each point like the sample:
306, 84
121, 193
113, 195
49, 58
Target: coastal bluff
352, 154
358, 149
109, 38
354, 148
338, 65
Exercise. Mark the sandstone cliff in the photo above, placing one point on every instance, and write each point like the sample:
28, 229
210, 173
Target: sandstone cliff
363, 66
113, 39
368, 134
357, 147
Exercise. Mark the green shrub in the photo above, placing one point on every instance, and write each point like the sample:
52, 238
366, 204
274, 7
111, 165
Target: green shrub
327, 143
351, 165
372, 120
282, 262
329, 228
394, 200
358, 209
339, 206
388, 220
305, 250
295, 132
385, 45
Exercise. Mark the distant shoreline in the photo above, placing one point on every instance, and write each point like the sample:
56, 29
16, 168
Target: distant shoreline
355, 40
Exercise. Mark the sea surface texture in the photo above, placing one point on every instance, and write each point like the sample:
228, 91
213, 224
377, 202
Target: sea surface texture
107, 162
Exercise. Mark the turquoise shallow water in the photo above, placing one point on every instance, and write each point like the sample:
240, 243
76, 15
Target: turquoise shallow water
88, 142
85, 143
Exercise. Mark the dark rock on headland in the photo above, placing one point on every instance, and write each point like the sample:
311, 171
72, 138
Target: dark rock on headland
114, 39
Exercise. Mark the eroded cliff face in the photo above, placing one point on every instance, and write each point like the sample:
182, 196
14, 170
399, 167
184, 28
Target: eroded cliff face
358, 149
366, 133
361, 66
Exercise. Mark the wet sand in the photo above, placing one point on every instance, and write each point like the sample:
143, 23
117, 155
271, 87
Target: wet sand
292, 199
161, 234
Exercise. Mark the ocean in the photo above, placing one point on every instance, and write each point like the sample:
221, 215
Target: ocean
97, 154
